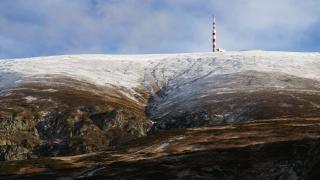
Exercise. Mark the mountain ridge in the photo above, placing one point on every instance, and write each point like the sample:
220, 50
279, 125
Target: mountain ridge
79, 98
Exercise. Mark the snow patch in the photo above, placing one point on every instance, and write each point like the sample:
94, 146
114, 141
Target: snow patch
30, 99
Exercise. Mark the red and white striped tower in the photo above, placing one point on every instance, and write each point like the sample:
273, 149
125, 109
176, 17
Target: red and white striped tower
214, 36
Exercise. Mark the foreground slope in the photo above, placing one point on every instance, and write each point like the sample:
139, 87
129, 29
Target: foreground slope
287, 149
65, 105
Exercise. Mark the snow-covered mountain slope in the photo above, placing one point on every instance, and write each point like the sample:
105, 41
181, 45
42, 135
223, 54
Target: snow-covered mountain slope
61, 98
179, 82
133, 71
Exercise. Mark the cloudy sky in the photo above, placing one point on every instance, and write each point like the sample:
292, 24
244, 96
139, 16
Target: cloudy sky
52, 27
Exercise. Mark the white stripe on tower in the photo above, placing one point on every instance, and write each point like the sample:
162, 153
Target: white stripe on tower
214, 36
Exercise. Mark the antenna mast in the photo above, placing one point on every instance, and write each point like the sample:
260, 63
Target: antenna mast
214, 35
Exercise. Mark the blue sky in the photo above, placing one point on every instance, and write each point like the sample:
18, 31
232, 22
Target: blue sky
52, 27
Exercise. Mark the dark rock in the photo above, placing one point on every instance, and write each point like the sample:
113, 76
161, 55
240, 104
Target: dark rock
13, 152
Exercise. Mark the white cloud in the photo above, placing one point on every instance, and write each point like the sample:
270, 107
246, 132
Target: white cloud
268, 24
46, 27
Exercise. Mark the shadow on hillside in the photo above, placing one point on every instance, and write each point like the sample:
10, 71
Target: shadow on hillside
280, 160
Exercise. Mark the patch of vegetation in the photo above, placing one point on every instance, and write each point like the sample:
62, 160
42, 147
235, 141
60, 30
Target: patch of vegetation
13, 167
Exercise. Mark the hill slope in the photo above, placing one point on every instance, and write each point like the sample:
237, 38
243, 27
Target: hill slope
65, 105
287, 149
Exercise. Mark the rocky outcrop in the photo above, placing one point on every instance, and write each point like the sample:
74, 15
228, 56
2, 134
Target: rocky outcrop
66, 121
14, 152
57, 134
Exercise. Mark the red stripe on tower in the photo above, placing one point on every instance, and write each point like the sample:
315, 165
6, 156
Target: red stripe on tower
214, 36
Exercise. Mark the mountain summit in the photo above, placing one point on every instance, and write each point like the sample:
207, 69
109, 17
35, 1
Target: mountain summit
76, 104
